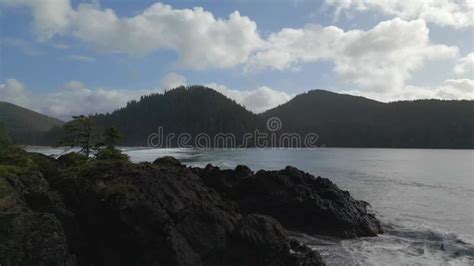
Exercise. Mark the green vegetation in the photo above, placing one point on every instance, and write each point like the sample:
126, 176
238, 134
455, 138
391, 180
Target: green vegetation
339, 120
111, 137
29, 127
167, 161
110, 153
5, 140
72, 159
25, 177
13, 160
192, 110
80, 133
350, 121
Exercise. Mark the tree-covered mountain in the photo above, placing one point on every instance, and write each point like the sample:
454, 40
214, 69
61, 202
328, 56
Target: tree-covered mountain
351, 121
340, 120
191, 110
26, 126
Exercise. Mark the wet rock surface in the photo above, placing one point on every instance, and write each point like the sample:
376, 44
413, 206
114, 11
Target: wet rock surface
299, 201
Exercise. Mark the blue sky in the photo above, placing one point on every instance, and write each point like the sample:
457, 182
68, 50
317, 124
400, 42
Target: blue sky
65, 57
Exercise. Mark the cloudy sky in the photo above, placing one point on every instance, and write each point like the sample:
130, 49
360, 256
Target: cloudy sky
64, 57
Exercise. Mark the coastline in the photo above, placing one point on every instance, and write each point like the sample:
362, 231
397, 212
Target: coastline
94, 203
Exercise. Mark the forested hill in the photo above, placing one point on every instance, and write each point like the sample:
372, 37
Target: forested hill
26, 126
190, 110
350, 121
339, 120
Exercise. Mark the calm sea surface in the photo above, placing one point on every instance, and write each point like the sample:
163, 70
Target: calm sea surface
425, 198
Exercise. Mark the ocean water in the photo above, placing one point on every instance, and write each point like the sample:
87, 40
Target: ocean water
424, 198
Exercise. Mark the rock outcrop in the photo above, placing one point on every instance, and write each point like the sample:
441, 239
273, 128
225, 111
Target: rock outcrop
299, 201
30, 231
163, 214
32, 239
105, 211
77, 211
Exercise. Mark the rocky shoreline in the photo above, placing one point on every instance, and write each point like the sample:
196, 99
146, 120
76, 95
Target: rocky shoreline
109, 211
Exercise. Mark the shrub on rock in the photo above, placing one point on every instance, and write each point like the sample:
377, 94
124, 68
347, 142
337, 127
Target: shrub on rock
167, 161
111, 153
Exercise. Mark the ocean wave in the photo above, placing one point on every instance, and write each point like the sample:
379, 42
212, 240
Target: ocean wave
449, 243
399, 245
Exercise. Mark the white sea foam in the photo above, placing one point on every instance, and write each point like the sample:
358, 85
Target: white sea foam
398, 245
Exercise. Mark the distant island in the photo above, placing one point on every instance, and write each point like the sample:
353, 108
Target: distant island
339, 120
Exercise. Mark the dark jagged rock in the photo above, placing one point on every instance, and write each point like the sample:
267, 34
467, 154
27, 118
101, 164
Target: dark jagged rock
112, 212
261, 240
147, 214
32, 239
30, 230
303, 254
222, 180
78, 211
10, 199
296, 199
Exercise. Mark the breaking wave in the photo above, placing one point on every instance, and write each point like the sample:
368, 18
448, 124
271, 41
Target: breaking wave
399, 245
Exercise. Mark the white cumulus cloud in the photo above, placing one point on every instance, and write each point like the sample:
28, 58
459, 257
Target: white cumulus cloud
200, 40
257, 100
465, 66
172, 80
15, 92
452, 89
73, 98
453, 13
50, 17
379, 59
